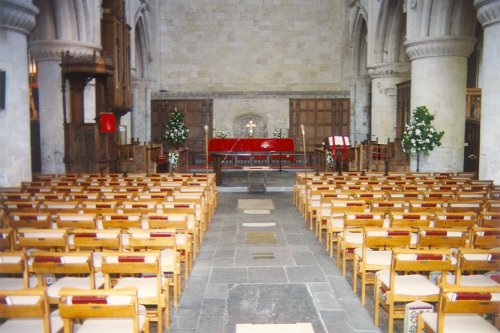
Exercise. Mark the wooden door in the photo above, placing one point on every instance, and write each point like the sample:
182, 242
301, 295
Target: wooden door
403, 112
197, 114
472, 129
321, 117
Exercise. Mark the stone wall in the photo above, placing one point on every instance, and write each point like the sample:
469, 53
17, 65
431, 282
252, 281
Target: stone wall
251, 45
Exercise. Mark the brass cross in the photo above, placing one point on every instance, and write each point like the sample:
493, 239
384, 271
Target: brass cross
250, 127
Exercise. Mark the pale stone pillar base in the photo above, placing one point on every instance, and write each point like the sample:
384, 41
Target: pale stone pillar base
489, 16
438, 81
17, 18
384, 98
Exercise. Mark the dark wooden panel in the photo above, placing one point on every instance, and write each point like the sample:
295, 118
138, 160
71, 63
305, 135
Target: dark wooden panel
321, 117
403, 112
197, 114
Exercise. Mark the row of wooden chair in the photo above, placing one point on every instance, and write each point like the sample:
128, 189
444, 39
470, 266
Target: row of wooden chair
411, 277
394, 239
165, 225
97, 311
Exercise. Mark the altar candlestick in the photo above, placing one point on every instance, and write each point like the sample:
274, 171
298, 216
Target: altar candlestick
305, 169
206, 149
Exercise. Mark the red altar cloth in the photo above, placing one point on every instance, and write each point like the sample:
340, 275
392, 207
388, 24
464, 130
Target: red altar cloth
253, 145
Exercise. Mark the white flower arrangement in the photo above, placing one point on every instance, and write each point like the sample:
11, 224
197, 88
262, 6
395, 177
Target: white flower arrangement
221, 134
173, 160
280, 133
329, 159
420, 135
176, 132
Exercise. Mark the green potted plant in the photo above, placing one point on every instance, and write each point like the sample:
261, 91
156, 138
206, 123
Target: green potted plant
420, 136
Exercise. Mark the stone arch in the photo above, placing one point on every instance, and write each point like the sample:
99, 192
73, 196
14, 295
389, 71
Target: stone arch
441, 18
142, 41
390, 33
359, 41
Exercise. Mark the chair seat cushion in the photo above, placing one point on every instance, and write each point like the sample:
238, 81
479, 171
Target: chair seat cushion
460, 323
473, 280
382, 258
146, 287
112, 325
7, 283
412, 285
32, 325
72, 282
353, 237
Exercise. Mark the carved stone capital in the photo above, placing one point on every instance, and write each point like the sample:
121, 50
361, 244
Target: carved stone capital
18, 15
488, 12
46, 50
386, 70
442, 46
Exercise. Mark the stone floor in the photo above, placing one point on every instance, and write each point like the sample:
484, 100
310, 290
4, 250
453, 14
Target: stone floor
293, 280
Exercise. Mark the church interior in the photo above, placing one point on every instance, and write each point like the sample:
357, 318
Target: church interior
241, 166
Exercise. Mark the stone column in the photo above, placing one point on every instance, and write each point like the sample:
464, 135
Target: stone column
438, 81
360, 109
384, 98
488, 13
17, 18
47, 53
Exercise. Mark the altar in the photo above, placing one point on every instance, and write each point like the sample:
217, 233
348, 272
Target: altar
247, 152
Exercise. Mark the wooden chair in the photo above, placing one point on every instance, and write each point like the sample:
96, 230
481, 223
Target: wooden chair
412, 220
99, 207
27, 310
118, 197
406, 196
387, 206
431, 206
7, 239
193, 225
335, 225
472, 195
43, 239
445, 196
76, 220
324, 215
472, 264
393, 290
121, 220
455, 220
13, 270
21, 206
15, 196
485, 238
183, 238
58, 206
36, 220
50, 196
492, 205
434, 238
84, 196
375, 253
70, 269
164, 241
103, 311
475, 206
352, 235
460, 309
142, 271
95, 239
137, 207
489, 219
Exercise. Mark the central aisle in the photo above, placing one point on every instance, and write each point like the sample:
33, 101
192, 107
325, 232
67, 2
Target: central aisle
259, 264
